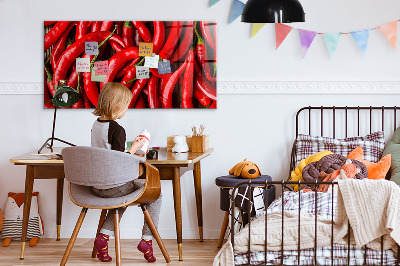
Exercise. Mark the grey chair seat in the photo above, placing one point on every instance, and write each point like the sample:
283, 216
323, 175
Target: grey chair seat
83, 196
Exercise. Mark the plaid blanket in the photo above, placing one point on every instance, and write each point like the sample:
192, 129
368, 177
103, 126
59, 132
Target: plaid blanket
322, 204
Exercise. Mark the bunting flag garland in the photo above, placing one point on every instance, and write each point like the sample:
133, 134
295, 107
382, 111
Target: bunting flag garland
306, 39
213, 2
389, 30
281, 31
361, 38
256, 27
237, 8
332, 41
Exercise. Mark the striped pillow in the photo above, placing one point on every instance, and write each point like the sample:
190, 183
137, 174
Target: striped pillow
13, 228
372, 145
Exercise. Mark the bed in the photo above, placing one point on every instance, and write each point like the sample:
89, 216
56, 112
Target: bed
275, 237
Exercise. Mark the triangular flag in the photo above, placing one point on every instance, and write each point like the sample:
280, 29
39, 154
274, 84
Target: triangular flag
332, 41
213, 2
256, 27
237, 8
389, 30
281, 31
306, 39
361, 37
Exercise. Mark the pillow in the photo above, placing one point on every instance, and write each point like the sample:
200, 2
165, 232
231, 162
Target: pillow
393, 148
375, 170
372, 144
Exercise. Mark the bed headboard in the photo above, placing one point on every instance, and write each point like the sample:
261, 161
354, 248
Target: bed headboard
345, 121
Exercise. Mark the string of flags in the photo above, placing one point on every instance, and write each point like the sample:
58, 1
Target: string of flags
361, 37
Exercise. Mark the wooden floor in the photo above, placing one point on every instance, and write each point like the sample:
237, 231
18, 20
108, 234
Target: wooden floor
50, 252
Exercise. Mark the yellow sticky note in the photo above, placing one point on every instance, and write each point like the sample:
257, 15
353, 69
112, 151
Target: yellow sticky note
145, 49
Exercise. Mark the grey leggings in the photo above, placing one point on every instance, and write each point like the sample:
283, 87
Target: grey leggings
154, 208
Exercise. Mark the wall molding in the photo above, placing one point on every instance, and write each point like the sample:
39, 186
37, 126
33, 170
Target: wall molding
260, 87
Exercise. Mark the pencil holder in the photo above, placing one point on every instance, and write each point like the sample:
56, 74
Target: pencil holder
200, 143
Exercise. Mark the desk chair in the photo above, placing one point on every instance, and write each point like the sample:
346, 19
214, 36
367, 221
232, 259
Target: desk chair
85, 167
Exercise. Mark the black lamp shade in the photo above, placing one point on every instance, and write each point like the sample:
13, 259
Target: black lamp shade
273, 11
65, 96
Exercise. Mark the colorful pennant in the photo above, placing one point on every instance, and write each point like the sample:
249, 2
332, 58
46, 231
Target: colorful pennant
213, 2
306, 39
256, 27
281, 31
237, 9
332, 41
361, 37
389, 30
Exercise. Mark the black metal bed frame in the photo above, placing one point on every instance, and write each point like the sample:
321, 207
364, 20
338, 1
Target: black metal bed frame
284, 184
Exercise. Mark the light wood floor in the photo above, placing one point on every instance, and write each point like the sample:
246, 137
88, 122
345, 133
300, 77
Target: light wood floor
50, 252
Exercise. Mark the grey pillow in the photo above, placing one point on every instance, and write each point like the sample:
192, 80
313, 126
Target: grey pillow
393, 148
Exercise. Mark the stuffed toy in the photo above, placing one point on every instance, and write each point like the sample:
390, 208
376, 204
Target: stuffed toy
180, 144
296, 174
348, 170
375, 170
1, 220
393, 148
13, 215
245, 169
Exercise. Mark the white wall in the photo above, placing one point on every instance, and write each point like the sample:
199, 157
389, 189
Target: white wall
259, 127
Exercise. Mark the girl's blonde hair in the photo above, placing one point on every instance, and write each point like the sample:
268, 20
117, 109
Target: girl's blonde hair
113, 98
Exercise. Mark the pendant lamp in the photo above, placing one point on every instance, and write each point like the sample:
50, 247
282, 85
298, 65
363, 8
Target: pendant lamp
273, 11
64, 97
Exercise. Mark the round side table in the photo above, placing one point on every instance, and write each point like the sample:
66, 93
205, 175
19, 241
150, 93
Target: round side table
228, 182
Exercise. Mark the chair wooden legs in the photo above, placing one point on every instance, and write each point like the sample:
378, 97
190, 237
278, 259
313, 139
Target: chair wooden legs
223, 229
73, 237
117, 239
101, 222
154, 230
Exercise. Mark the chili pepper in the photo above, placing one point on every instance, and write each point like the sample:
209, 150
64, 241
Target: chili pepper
143, 30
186, 42
205, 30
118, 60
213, 105
187, 91
136, 90
146, 90
138, 39
212, 79
172, 41
169, 86
117, 47
152, 91
140, 102
52, 36
96, 26
201, 52
129, 76
204, 85
127, 34
119, 28
91, 90
124, 70
201, 97
48, 23
77, 48
106, 25
82, 29
159, 36
47, 103
59, 47
49, 81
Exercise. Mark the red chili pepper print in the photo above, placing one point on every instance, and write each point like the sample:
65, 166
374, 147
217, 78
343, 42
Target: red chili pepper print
52, 36
172, 40
187, 91
159, 36
152, 91
143, 30
127, 34
187, 41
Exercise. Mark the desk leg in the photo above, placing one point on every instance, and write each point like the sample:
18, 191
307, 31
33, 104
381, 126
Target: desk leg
60, 190
199, 204
27, 206
176, 182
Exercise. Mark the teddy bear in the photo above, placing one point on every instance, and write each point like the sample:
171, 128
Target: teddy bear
13, 215
245, 169
180, 144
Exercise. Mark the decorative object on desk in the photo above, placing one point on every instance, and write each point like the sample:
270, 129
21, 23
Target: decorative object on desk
180, 144
152, 155
12, 224
245, 169
65, 96
171, 143
173, 51
199, 140
273, 11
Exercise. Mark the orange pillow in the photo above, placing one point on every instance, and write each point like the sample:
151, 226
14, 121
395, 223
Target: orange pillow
375, 170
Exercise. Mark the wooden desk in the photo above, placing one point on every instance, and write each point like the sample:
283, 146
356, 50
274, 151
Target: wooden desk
171, 167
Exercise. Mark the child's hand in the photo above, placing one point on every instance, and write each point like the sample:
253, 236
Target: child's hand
137, 144
143, 155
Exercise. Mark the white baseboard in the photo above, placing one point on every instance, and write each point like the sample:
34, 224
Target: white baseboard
260, 87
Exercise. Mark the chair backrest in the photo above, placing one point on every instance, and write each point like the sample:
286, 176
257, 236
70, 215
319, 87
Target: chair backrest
92, 166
